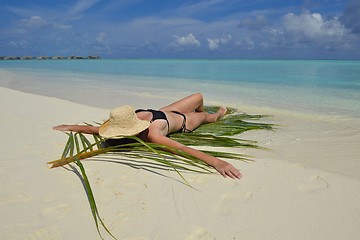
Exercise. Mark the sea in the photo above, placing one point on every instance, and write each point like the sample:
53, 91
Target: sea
312, 86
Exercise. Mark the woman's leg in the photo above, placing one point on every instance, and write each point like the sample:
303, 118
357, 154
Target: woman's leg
196, 119
188, 104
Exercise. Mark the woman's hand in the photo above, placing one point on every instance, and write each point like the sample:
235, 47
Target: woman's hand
227, 170
63, 127
78, 128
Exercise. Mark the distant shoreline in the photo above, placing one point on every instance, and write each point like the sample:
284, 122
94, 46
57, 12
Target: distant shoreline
48, 57
73, 57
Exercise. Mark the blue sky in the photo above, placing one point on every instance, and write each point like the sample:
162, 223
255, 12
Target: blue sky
315, 29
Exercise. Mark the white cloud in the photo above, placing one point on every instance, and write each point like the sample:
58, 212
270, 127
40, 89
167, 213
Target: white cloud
246, 43
61, 26
215, 43
256, 23
188, 40
102, 45
198, 7
18, 44
274, 32
313, 26
82, 5
38, 22
101, 38
33, 21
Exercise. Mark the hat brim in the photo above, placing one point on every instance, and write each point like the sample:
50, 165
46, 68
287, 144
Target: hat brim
107, 131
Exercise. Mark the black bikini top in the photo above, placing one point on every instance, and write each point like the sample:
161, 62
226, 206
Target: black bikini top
161, 115
156, 114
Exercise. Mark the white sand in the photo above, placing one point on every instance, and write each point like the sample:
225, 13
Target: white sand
288, 193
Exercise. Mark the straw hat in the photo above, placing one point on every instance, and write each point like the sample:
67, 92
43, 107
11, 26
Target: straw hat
122, 122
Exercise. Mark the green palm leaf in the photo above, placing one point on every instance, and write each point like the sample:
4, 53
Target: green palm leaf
222, 133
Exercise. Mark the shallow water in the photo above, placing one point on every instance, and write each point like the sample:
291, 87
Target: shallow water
321, 86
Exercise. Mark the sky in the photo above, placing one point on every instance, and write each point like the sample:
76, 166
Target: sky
306, 29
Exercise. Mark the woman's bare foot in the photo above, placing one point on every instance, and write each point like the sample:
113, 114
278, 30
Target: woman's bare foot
215, 116
222, 110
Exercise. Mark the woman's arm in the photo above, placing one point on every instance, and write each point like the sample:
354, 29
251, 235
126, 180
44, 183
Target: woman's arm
224, 168
78, 128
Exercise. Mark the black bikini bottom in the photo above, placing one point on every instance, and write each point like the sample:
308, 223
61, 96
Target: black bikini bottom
183, 128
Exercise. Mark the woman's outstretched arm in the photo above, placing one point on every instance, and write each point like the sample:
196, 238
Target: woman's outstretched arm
78, 128
223, 167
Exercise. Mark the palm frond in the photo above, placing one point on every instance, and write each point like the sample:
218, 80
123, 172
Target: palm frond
222, 133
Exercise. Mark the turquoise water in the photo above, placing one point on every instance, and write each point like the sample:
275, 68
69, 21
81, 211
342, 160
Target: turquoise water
325, 86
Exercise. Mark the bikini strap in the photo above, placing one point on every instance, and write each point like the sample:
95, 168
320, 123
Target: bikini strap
140, 110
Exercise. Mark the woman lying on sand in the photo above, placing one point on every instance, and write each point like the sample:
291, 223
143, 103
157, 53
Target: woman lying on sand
153, 126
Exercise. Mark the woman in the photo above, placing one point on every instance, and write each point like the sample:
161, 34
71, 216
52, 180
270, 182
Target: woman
154, 125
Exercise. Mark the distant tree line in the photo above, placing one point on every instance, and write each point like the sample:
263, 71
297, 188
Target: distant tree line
47, 57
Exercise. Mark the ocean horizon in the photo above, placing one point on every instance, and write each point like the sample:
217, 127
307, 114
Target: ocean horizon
313, 86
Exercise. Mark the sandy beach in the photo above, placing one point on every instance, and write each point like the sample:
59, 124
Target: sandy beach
306, 186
